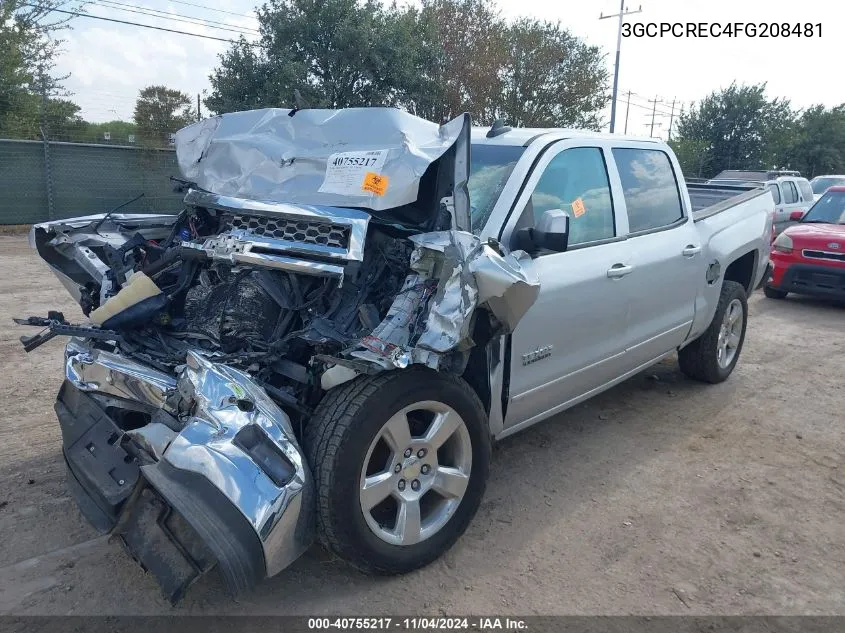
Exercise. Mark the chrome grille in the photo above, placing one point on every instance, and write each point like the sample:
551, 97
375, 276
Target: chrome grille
303, 231
812, 254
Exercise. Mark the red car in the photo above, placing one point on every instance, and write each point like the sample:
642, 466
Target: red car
808, 258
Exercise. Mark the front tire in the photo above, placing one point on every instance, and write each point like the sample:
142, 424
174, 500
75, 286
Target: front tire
400, 462
713, 355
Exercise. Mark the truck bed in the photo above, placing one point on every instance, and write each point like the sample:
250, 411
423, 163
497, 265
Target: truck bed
709, 199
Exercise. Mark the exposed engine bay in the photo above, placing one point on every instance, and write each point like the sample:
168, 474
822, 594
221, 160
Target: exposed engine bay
285, 298
213, 334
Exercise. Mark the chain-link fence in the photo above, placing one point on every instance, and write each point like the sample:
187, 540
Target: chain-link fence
53, 180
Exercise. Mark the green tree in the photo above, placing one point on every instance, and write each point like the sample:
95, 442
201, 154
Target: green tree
160, 111
739, 128
32, 100
336, 53
464, 44
551, 78
436, 60
119, 132
692, 155
818, 146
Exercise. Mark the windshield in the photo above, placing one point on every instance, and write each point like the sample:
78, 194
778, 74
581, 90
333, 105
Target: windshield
489, 170
821, 184
829, 209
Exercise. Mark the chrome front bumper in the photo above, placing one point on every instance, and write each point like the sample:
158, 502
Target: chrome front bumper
211, 428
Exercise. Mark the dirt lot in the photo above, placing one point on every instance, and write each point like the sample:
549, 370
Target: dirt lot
661, 496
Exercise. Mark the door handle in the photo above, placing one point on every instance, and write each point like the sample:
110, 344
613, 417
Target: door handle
617, 271
691, 250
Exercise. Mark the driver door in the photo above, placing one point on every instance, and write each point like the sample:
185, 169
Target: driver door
572, 340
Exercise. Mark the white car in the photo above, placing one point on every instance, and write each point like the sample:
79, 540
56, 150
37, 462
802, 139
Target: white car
820, 184
793, 196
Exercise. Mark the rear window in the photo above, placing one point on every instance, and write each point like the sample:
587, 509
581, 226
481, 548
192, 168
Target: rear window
650, 188
806, 189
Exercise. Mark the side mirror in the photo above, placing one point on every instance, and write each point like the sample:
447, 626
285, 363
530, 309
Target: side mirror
551, 233
795, 216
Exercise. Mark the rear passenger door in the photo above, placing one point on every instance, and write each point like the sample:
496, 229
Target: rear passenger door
666, 253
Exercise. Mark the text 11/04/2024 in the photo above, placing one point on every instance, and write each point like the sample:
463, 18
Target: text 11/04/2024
419, 623
718, 29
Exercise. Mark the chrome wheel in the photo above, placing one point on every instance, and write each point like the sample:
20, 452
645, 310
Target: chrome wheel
730, 333
415, 473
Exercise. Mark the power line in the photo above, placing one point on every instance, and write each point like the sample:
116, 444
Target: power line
207, 8
648, 107
145, 26
175, 17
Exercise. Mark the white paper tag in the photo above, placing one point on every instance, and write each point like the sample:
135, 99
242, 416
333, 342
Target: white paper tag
345, 171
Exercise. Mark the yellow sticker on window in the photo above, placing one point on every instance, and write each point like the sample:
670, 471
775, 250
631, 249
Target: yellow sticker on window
375, 183
578, 208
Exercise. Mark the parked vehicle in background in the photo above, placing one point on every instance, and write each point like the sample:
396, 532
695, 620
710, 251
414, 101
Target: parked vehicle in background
329, 346
809, 258
754, 174
820, 184
793, 195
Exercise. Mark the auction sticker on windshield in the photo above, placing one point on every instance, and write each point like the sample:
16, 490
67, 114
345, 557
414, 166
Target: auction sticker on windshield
347, 172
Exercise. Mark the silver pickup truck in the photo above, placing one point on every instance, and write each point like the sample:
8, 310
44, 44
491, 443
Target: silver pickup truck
351, 307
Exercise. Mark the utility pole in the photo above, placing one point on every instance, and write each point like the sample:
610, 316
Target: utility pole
671, 118
621, 15
627, 110
654, 101
199, 112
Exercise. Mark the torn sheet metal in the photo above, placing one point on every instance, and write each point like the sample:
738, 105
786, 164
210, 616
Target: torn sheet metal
453, 274
507, 285
360, 157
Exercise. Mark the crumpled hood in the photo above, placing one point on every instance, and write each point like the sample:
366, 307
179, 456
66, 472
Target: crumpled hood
373, 158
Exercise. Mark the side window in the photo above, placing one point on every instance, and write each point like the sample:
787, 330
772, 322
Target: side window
790, 193
775, 191
650, 189
806, 189
576, 181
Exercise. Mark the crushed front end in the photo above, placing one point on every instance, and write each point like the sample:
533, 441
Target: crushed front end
212, 334
188, 471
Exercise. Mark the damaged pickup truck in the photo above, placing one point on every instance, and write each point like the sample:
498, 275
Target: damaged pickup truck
324, 341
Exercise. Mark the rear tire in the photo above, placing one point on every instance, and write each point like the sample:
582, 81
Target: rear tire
713, 355
352, 430
773, 293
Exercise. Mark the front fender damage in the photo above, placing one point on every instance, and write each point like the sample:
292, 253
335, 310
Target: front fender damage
215, 476
203, 467
452, 274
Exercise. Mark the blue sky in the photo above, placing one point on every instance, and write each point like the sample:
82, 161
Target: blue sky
109, 63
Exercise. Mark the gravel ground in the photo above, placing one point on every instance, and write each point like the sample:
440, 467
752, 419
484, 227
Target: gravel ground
661, 496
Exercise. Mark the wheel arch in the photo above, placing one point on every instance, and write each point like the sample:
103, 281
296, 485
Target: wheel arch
742, 270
